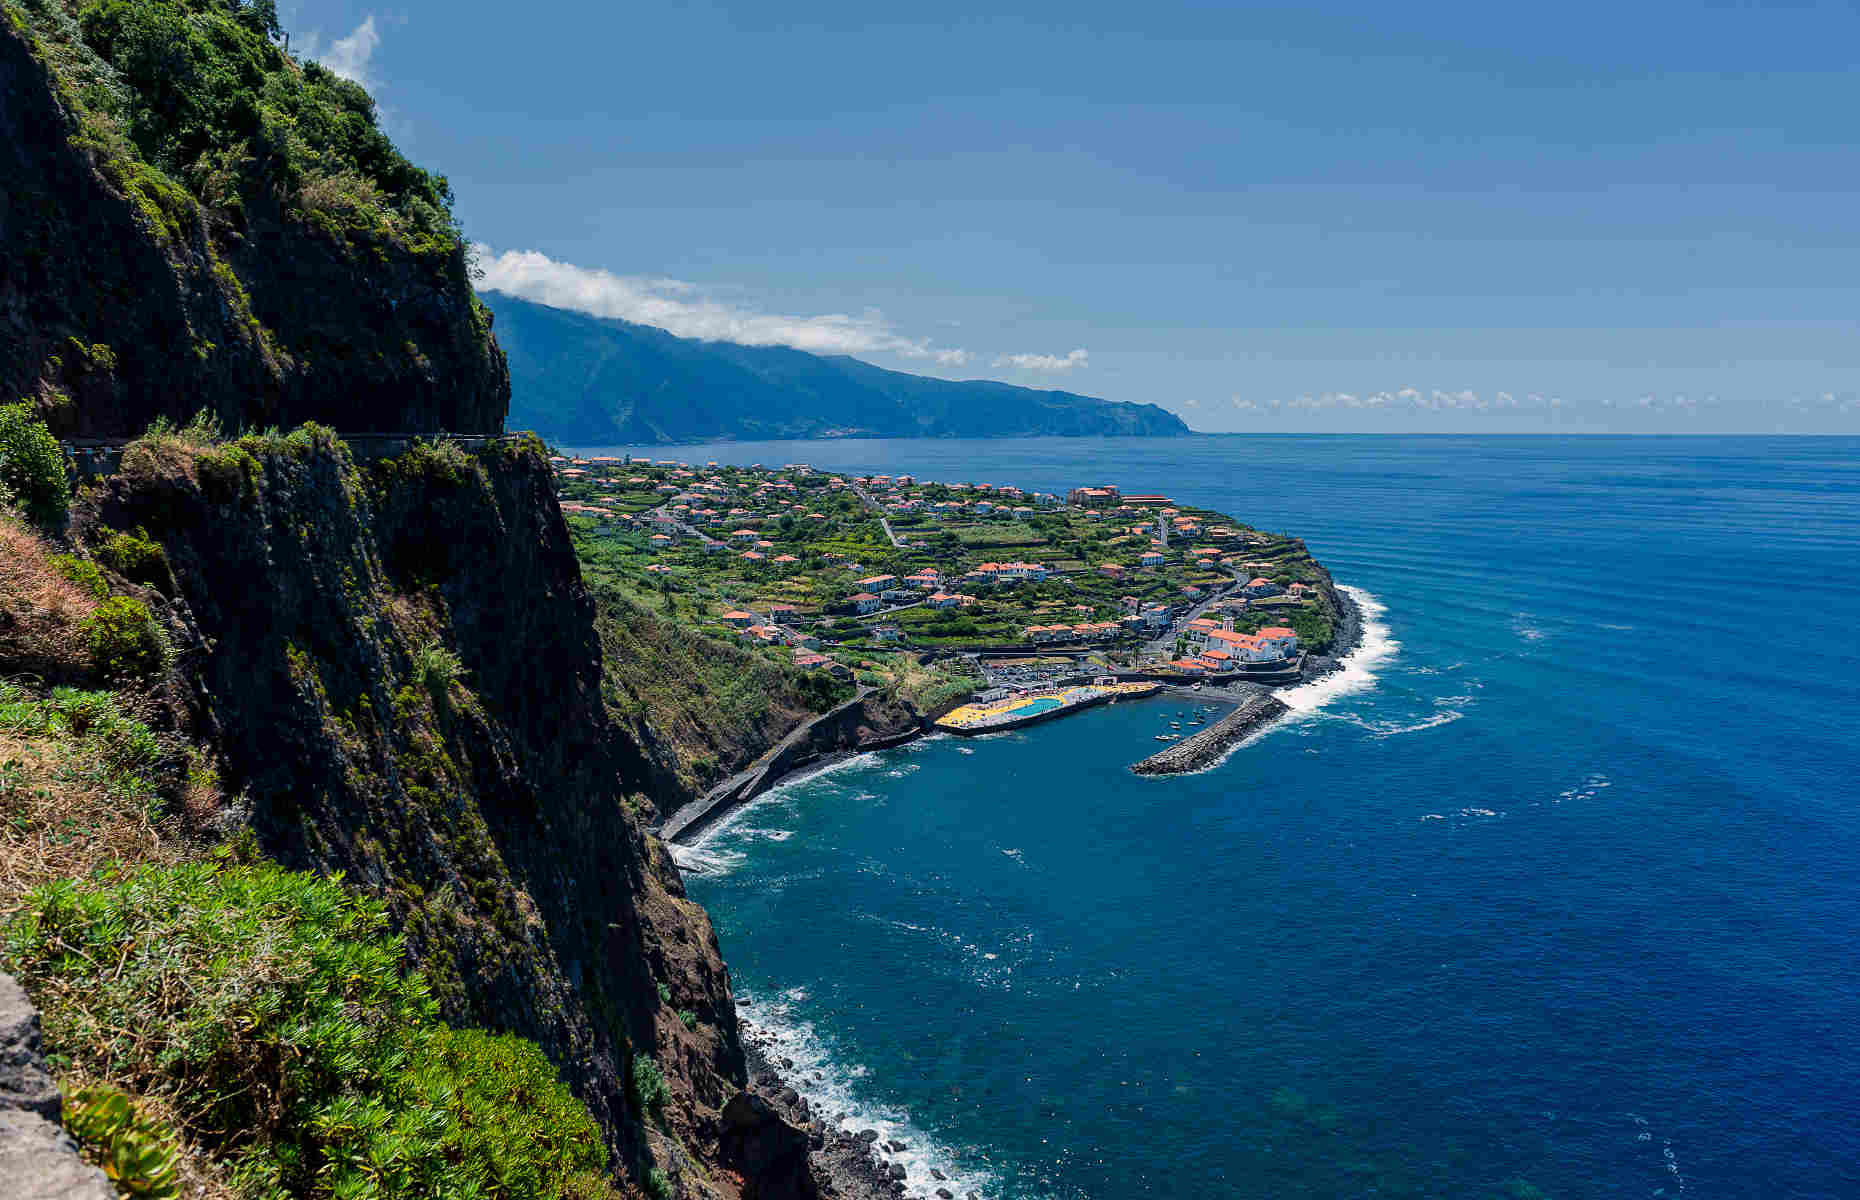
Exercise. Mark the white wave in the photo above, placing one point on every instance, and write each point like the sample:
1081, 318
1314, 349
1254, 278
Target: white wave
695, 860
1433, 722
1357, 672
1521, 624
1588, 789
708, 856
834, 1095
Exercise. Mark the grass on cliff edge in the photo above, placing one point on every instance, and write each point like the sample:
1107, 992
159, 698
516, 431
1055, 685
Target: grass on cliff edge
77, 788
268, 1012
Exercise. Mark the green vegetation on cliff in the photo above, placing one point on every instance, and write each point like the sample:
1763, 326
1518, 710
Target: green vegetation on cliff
195, 102
269, 1012
363, 803
32, 468
194, 216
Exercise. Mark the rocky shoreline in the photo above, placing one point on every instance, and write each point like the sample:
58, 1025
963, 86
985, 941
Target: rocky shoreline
1346, 640
846, 1164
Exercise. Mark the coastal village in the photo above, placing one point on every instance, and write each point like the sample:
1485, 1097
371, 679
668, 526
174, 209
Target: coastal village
998, 590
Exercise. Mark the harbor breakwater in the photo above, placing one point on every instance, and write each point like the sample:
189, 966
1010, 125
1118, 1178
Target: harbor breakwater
1204, 748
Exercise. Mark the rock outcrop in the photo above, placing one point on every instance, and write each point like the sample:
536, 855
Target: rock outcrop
757, 1142
38, 1160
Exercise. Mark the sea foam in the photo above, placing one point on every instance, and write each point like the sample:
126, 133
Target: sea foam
714, 854
772, 1024
1358, 671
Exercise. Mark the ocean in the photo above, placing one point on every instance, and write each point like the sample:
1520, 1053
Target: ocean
1554, 892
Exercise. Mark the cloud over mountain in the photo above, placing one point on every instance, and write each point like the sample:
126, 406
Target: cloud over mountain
682, 308
1045, 362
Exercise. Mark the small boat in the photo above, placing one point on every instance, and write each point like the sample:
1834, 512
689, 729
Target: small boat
1167, 737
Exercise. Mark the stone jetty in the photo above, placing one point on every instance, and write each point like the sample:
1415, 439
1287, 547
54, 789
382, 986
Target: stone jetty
1200, 750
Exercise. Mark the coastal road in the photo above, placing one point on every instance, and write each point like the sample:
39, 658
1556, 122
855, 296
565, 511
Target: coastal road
684, 527
1164, 646
743, 783
879, 509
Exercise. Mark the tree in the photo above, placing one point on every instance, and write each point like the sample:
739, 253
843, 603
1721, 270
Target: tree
261, 16
32, 466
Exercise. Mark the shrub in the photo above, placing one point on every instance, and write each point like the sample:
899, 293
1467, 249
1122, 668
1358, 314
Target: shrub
300, 443
32, 466
648, 1086
138, 558
437, 669
436, 462
136, 1153
689, 1018
84, 574
124, 643
268, 1008
226, 473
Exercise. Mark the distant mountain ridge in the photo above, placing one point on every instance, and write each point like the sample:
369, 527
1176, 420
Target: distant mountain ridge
587, 380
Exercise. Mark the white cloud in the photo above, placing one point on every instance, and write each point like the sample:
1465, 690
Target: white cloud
1045, 362
1415, 400
349, 57
680, 307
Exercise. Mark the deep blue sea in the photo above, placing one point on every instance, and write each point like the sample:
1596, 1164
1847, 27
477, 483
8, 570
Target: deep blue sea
1558, 887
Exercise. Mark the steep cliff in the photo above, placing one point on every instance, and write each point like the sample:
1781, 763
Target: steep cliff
252, 651
190, 218
396, 669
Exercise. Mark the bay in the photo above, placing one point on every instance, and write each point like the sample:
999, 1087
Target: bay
1556, 889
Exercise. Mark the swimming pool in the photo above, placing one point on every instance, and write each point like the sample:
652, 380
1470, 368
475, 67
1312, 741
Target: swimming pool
1037, 705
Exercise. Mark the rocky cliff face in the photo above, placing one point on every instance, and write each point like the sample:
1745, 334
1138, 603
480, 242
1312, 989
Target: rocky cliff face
124, 296
397, 665
389, 667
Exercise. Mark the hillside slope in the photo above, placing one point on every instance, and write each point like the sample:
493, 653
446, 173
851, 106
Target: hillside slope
189, 217
592, 381
388, 673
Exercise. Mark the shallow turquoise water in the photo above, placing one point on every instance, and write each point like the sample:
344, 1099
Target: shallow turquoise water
1560, 884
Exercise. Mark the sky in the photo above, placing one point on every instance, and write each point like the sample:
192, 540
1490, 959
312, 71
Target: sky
1335, 216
